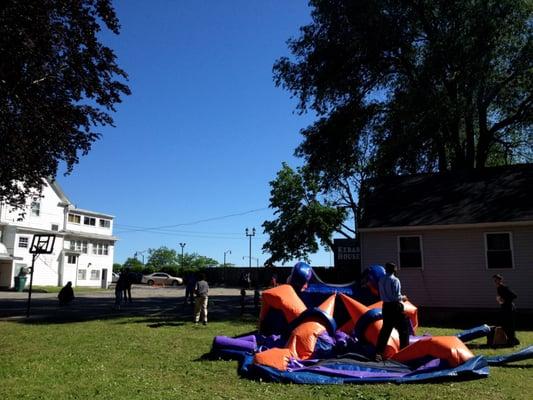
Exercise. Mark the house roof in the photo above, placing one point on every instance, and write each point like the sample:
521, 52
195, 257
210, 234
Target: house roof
497, 194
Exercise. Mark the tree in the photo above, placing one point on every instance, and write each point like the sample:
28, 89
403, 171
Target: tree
303, 218
58, 83
194, 261
399, 87
134, 264
162, 257
436, 84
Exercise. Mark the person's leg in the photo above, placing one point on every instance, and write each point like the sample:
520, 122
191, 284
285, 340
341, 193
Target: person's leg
386, 329
197, 309
401, 325
204, 310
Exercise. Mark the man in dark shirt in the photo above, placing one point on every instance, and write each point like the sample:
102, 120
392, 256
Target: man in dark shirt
506, 299
66, 294
200, 306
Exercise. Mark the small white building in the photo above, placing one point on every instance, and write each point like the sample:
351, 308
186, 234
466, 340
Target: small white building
84, 244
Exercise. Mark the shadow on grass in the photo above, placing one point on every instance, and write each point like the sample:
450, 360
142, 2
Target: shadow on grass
156, 310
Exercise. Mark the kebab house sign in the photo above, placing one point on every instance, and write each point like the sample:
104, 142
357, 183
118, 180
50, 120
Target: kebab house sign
347, 253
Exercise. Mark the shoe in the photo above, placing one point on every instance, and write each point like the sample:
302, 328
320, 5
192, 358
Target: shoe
204, 323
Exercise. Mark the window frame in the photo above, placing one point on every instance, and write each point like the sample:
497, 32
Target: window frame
72, 257
23, 238
104, 223
82, 274
90, 219
35, 207
421, 250
95, 272
74, 217
511, 249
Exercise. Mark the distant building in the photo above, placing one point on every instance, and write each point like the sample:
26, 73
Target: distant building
450, 232
84, 245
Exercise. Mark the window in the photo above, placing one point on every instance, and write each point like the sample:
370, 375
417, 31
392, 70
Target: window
74, 218
55, 227
101, 249
105, 223
95, 274
499, 250
23, 242
410, 251
79, 245
89, 221
82, 274
35, 208
71, 259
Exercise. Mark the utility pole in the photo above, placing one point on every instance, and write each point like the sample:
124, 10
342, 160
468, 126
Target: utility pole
250, 234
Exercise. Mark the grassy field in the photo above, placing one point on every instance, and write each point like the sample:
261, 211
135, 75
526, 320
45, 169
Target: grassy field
150, 358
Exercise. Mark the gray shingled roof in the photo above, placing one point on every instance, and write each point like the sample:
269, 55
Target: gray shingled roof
498, 194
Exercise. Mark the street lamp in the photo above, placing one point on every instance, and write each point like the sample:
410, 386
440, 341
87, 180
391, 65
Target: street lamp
250, 235
225, 272
226, 252
140, 253
182, 245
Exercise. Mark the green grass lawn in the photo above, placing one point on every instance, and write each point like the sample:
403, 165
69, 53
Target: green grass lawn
139, 358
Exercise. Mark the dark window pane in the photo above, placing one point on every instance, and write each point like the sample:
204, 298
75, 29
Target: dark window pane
410, 260
410, 243
499, 259
498, 241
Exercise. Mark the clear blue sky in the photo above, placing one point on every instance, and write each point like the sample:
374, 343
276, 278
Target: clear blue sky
203, 132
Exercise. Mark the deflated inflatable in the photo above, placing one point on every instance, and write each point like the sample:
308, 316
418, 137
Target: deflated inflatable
301, 341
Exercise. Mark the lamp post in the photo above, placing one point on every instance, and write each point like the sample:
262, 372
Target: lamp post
182, 245
250, 234
225, 272
140, 253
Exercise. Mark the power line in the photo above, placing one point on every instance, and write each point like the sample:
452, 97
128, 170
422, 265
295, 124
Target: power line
144, 229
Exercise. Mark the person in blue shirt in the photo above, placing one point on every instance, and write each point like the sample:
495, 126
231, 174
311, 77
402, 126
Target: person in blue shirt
390, 292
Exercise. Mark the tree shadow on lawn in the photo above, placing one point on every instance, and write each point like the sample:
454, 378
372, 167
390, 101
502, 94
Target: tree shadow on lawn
159, 310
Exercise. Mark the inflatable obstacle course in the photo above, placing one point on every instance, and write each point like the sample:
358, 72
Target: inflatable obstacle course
311, 332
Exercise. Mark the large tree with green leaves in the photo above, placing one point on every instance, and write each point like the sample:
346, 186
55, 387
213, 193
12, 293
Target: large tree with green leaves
436, 84
304, 217
58, 83
401, 87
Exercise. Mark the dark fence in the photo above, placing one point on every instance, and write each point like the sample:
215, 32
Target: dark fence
261, 276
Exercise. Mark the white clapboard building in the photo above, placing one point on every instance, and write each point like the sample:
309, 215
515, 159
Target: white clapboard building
84, 241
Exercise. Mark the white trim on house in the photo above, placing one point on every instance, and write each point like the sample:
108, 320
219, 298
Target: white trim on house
484, 225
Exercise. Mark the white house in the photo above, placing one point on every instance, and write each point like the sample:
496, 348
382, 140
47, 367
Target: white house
84, 244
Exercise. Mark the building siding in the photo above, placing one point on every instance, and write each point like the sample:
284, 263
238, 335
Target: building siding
454, 272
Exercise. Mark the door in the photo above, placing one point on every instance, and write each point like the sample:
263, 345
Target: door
104, 278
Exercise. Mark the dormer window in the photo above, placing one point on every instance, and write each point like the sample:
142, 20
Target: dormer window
35, 208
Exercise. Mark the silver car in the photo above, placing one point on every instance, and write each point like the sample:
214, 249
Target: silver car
161, 278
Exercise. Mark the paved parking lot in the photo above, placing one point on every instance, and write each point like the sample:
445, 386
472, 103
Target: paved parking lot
148, 301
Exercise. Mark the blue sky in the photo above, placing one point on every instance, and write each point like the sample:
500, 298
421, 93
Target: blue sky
203, 132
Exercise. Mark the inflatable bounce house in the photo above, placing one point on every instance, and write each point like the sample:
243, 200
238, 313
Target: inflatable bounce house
311, 332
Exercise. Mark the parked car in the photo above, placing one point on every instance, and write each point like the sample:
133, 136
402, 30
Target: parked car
161, 278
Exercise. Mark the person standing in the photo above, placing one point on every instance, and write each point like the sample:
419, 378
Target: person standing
129, 277
506, 299
120, 287
200, 305
390, 292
